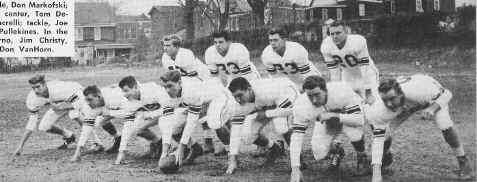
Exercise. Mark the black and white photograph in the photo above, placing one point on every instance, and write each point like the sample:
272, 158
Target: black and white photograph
238, 90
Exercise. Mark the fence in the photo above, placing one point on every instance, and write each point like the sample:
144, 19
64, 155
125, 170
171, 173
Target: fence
13, 65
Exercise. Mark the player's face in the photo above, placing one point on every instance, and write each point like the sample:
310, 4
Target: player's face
170, 49
131, 93
95, 101
392, 100
317, 96
40, 89
277, 43
338, 34
173, 88
221, 44
243, 96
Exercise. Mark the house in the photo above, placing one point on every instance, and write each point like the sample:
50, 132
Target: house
100, 35
397, 7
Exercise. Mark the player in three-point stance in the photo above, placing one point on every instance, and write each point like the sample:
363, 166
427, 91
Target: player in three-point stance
148, 101
102, 105
207, 101
334, 108
65, 97
402, 97
262, 101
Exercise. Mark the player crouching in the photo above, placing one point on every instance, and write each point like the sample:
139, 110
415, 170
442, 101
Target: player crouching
334, 108
402, 97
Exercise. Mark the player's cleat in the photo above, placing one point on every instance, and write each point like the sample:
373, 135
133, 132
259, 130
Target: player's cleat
277, 149
387, 159
67, 141
208, 146
115, 147
97, 148
195, 151
335, 155
168, 164
465, 171
363, 166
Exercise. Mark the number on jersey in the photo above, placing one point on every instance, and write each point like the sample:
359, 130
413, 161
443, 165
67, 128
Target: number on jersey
349, 60
229, 68
287, 68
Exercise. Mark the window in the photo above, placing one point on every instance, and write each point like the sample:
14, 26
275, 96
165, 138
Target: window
107, 33
437, 5
339, 14
324, 14
88, 33
362, 10
393, 7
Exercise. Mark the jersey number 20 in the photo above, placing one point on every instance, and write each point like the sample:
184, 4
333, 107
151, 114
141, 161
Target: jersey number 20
350, 60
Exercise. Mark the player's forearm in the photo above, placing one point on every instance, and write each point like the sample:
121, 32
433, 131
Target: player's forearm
126, 133
295, 148
85, 132
377, 148
191, 122
279, 112
235, 138
444, 98
352, 120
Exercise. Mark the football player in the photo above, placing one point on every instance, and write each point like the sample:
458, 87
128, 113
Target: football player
270, 100
347, 58
149, 101
334, 108
210, 98
64, 97
229, 59
402, 97
102, 105
283, 57
181, 59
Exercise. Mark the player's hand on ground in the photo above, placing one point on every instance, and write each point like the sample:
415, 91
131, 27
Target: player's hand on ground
119, 158
232, 165
18, 151
296, 175
180, 154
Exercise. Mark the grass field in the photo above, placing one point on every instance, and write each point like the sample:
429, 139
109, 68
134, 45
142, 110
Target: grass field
420, 151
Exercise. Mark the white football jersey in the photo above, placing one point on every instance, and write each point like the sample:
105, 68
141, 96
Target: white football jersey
113, 100
293, 62
353, 60
341, 99
270, 94
185, 62
234, 64
195, 94
152, 97
59, 91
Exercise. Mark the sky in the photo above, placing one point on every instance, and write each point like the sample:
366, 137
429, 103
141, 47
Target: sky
143, 6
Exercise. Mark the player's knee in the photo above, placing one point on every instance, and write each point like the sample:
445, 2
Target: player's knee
44, 126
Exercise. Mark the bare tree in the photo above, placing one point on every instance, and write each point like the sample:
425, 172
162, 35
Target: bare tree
258, 8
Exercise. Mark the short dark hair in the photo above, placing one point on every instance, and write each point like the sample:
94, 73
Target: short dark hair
314, 81
387, 84
280, 31
174, 76
129, 81
92, 89
338, 23
37, 79
221, 34
176, 40
239, 83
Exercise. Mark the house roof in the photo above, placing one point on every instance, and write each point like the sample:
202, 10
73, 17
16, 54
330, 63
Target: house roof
90, 13
130, 18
